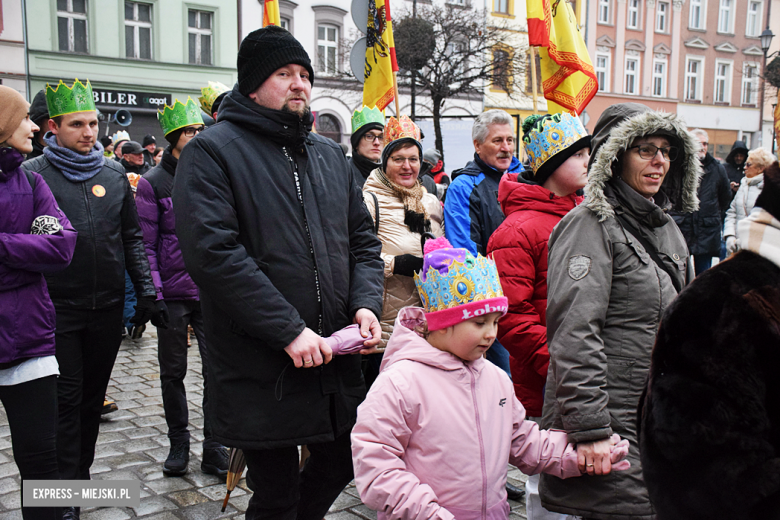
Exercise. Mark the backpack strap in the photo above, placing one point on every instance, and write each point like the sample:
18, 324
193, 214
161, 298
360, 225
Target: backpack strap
650, 250
376, 213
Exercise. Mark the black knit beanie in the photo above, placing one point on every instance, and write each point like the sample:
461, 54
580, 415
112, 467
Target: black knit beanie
148, 139
265, 50
173, 137
39, 110
360, 132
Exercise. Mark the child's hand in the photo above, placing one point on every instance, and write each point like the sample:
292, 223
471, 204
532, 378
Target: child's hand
618, 453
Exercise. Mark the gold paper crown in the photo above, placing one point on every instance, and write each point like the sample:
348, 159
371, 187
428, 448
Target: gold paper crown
210, 93
400, 128
472, 280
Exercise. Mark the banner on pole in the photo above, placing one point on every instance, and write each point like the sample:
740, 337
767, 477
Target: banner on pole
271, 13
380, 56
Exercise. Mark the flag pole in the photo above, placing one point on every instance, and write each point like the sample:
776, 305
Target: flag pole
533, 78
395, 94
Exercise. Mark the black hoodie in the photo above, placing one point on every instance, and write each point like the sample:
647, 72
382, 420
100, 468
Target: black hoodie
736, 171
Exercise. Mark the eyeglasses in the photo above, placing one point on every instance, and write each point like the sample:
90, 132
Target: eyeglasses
190, 131
372, 137
649, 151
399, 161
748, 165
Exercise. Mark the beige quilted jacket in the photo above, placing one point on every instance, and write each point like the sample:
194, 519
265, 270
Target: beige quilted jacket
397, 240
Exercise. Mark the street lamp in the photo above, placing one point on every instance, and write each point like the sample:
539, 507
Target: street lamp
766, 41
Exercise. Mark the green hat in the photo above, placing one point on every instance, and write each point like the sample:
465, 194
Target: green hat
179, 116
69, 100
365, 116
210, 93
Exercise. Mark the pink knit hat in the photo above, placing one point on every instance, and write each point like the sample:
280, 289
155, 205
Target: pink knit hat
454, 286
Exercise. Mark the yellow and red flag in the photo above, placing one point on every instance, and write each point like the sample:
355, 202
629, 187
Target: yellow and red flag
271, 13
380, 56
777, 125
568, 79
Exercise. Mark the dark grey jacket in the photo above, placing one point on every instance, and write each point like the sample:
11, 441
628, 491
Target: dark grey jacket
263, 260
606, 297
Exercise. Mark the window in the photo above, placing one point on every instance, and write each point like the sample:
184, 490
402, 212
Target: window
529, 86
199, 30
632, 22
284, 23
696, 15
457, 2
750, 84
722, 82
602, 71
72, 25
754, 18
693, 77
659, 78
632, 76
138, 30
329, 126
662, 17
604, 14
502, 69
501, 6
724, 16
327, 48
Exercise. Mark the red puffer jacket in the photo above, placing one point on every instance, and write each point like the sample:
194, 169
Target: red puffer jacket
519, 247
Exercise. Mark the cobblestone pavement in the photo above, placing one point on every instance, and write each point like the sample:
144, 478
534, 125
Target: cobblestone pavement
133, 445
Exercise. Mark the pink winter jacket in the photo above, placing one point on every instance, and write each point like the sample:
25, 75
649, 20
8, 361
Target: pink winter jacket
435, 433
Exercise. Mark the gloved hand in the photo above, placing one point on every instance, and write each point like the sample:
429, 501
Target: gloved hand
731, 244
143, 310
407, 265
160, 316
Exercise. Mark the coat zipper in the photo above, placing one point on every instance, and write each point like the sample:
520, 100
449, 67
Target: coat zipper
308, 235
481, 442
94, 246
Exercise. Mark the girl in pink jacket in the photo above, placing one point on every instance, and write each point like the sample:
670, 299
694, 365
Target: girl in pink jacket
439, 425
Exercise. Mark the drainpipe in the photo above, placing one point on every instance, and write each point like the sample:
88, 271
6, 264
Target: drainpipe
26, 53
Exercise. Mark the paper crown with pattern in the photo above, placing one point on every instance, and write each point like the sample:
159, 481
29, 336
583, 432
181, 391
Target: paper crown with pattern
179, 116
210, 93
548, 135
121, 135
454, 286
399, 128
69, 100
365, 115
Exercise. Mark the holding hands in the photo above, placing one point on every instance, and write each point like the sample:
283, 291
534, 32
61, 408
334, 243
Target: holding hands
604, 456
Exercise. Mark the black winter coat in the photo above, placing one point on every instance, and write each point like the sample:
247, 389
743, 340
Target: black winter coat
110, 241
245, 238
711, 415
734, 172
702, 228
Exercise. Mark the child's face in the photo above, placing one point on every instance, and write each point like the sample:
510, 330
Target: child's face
470, 339
572, 175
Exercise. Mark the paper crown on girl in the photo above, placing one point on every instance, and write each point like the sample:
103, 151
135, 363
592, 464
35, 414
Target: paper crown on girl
210, 93
121, 135
454, 286
69, 100
399, 128
548, 135
179, 116
365, 115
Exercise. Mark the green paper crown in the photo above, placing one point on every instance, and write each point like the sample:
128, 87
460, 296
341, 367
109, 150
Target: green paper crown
69, 100
210, 93
367, 115
179, 116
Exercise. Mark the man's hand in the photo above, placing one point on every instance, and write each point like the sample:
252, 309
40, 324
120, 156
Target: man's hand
145, 308
734, 186
593, 458
369, 326
309, 350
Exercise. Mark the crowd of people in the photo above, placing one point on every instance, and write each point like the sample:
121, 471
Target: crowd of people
518, 310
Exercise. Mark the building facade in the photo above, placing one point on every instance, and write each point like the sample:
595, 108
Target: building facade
699, 58
13, 59
138, 55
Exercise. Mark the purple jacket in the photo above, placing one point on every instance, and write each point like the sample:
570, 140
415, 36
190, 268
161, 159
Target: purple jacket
27, 317
155, 212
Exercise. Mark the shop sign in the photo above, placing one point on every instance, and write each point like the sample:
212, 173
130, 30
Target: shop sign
127, 99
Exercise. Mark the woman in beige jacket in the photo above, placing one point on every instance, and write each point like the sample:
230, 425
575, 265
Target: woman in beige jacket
402, 210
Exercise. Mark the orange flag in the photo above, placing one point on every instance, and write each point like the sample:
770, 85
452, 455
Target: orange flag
777, 126
380, 56
271, 13
568, 79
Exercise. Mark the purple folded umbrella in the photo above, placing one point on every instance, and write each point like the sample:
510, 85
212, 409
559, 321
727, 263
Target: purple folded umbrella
346, 341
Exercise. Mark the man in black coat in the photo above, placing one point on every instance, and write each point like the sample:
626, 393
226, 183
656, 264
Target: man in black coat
735, 164
274, 232
702, 228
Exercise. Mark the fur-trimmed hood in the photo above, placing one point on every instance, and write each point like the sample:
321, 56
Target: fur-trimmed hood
616, 129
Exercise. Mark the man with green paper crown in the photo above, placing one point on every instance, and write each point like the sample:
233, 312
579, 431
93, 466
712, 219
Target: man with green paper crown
177, 293
88, 295
368, 125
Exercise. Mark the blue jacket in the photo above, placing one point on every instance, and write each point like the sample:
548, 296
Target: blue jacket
471, 210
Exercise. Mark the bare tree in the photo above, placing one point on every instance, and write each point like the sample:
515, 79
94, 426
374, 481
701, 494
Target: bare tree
462, 53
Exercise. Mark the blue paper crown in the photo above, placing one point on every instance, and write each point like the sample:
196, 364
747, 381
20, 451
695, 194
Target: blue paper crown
473, 280
552, 135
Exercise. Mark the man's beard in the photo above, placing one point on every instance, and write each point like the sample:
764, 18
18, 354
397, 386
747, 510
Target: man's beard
302, 113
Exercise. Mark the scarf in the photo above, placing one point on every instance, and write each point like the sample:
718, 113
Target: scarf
74, 166
415, 216
760, 233
364, 165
